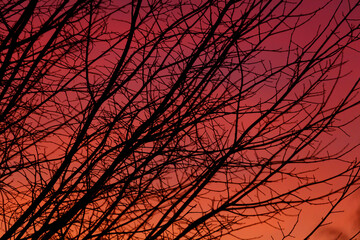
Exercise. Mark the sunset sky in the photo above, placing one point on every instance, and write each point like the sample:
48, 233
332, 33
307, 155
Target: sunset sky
179, 119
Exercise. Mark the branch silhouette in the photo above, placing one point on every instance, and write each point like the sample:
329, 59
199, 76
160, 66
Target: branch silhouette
172, 119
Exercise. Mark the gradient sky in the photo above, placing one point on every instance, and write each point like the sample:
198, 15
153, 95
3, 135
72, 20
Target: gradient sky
73, 102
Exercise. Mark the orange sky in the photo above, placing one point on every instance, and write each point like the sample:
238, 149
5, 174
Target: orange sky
350, 136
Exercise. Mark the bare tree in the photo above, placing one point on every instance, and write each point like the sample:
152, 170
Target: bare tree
172, 119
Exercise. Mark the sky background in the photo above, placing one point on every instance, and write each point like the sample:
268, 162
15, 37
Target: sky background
346, 222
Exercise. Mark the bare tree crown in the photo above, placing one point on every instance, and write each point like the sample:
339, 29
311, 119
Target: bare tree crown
173, 119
